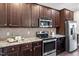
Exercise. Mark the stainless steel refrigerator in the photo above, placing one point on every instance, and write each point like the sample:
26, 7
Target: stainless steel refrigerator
71, 36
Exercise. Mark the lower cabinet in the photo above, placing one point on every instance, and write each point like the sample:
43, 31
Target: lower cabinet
12, 54
26, 49
10, 51
37, 49
60, 45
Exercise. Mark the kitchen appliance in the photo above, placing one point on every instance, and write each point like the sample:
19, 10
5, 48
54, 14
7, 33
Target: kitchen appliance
71, 36
49, 44
42, 34
49, 47
45, 22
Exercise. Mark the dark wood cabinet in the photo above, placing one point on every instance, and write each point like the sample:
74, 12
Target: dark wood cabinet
37, 48
41, 12
60, 45
55, 18
26, 15
47, 12
26, 49
68, 15
35, 15
65, 15
3, 14
10, 51
14, 14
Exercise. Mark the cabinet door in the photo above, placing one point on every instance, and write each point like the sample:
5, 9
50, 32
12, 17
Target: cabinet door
37, 48
60, 45
57, 19
41, 12
37, 51
26, 52
26, 49
14, 14
53, 18
3, 14
12, 54
68, 15
26, 15
35, 15
47, 12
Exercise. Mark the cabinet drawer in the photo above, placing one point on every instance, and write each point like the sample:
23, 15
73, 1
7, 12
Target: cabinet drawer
27, 45
37, 43
11, 49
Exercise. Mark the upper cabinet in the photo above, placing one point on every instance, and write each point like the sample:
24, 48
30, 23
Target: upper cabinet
55, 18
41, 12
35, 15
26, 15
14, 14
47, 12
66, 14
3, 14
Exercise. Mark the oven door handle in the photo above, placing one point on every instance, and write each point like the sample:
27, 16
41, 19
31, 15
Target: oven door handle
49, 40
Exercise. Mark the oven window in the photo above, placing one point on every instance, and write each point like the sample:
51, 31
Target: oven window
49, 46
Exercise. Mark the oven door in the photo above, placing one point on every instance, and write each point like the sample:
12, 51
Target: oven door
49, 47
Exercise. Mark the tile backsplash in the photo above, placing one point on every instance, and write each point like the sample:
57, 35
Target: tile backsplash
25, 32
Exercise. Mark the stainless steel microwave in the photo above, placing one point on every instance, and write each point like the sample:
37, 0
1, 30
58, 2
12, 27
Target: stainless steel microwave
45, 23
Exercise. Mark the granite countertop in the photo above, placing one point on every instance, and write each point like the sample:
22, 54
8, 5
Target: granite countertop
26, 40
55, 36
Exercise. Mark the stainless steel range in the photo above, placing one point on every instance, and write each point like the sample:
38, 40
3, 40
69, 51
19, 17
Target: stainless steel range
49, 44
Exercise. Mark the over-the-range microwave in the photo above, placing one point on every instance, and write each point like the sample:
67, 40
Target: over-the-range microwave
45, 23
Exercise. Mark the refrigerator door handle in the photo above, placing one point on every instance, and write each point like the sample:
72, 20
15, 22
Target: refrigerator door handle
73, 33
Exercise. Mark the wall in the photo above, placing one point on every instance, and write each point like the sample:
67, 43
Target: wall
25, 32
76, 18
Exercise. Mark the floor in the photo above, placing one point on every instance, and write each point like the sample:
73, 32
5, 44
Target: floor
75, 53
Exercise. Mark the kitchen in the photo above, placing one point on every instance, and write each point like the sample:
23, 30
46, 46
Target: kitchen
34, 29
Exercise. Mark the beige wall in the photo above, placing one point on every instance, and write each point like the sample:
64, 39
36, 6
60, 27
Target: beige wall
25, 32
76, 18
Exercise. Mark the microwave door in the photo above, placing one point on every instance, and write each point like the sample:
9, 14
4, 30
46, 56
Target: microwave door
44, 23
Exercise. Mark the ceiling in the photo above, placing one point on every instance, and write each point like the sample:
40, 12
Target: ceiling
59, 6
